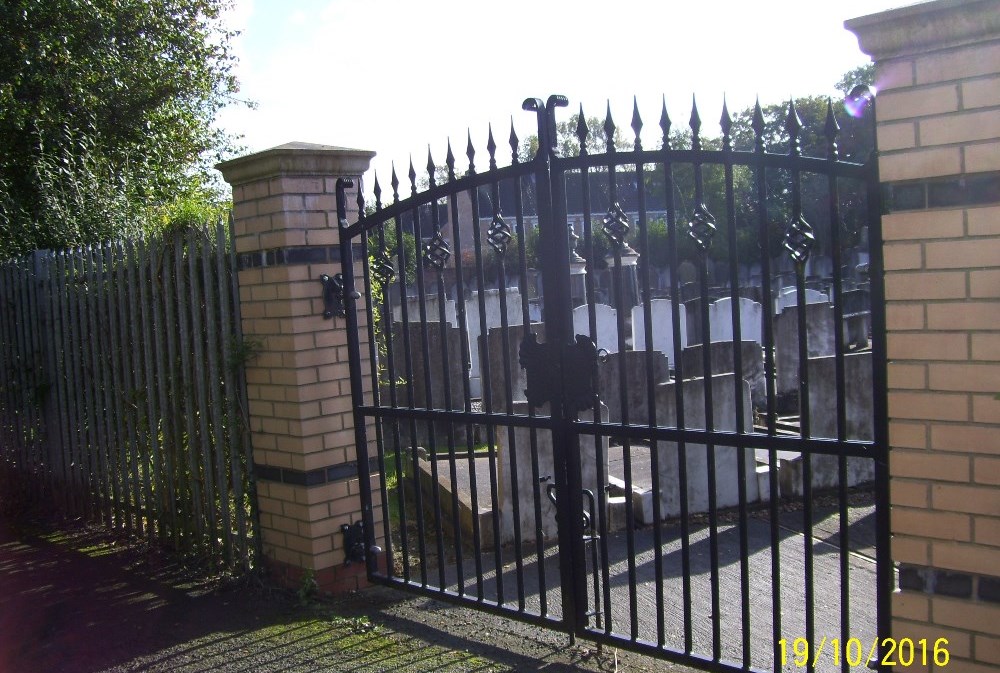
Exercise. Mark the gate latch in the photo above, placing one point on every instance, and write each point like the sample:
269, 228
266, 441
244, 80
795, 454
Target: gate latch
354, 543
333, 295
546, 372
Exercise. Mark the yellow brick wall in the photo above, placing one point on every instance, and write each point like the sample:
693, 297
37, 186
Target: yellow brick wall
938, 112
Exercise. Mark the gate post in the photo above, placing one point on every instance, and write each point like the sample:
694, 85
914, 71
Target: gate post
286, 236
937, 70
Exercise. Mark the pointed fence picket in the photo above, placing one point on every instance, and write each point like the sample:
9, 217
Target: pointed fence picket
122, 392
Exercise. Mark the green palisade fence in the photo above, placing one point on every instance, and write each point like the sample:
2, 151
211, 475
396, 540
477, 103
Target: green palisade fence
122, 397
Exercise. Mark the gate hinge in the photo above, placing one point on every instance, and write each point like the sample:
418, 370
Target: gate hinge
553, 372
333, 296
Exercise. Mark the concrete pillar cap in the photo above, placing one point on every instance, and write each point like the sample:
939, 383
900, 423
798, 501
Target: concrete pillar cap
296, 159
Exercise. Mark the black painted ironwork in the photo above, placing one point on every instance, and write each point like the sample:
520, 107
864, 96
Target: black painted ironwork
557, 447
334, 295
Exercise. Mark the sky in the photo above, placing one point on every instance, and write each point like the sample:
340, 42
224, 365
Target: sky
400, 77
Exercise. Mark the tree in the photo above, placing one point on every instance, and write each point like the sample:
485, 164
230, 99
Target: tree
106, 114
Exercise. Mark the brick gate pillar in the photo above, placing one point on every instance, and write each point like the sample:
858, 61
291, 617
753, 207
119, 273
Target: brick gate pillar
298, 384
938, 114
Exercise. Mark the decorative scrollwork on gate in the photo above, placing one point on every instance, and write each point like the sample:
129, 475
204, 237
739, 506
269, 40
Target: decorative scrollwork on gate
616, 225
499, 234
702, 227
437, 252
799, 239
382, 267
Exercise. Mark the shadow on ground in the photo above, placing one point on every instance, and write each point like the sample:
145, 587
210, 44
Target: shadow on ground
77, 599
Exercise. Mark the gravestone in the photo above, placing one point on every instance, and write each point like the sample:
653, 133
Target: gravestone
662, 317
819, 341
491, 311
859, 425
526, 483
857, 318
723, 358
789, 296
432, 307
430, 371
720, 318
636, 392
499, 363
607, 326
726, 463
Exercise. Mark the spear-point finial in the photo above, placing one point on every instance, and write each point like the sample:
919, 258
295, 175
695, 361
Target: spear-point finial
514, 142
449, 161
377, 190
609, 130
665, 124
636, 123
431, 168
491, 147
582, 131
726, 123
757, 124
470, 152
395, 183
695, 124
793, 125
413, 177
832, 130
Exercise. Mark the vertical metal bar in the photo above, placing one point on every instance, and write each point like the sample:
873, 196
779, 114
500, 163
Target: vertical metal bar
706, 367
110, 443
354, 357
760, 180
554, 247
619, 300
486, 375
799, 256
425, 353
76, 423
213, 321
58, 290
141, 261
387, 322
228, 319
508, 402
240, 394
682, 477
44, 302
165, 328
142, 380
196, 256
654, 449
463, 331
836, 224
450, 431
98, 438
374, 373
131, 385
118, 409
591, 299
6, 362
414, 463
183, 402
741, 466
522, 270
885, 580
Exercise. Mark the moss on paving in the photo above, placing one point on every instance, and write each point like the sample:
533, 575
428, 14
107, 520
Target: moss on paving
312, 640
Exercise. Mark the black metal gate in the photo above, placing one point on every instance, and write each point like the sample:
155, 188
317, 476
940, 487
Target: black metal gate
531, 397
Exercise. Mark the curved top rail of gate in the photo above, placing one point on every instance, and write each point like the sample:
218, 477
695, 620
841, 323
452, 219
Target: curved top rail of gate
783, 197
